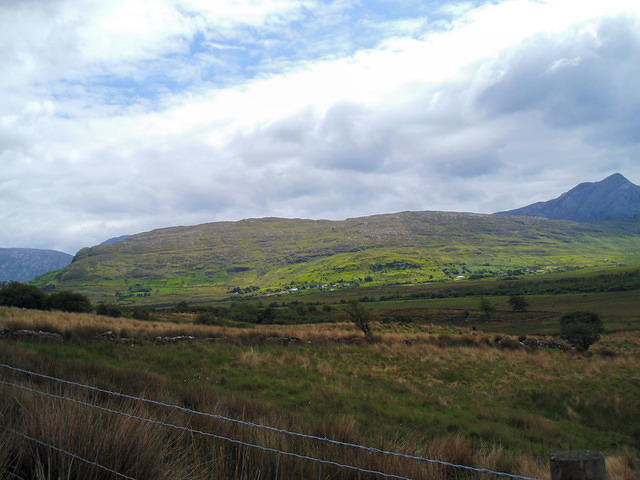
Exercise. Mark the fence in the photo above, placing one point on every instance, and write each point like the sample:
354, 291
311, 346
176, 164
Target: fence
242, 467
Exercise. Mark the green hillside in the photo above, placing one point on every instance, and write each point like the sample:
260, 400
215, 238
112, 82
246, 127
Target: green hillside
261, 256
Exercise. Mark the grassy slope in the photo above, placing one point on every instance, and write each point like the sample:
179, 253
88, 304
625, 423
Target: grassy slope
206, 261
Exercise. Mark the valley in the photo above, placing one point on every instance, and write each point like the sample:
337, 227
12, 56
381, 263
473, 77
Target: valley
429, 334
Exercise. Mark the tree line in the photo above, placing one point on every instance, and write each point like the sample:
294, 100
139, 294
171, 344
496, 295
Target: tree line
23, 295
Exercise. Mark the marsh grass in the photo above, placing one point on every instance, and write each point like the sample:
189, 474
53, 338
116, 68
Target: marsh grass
442, 392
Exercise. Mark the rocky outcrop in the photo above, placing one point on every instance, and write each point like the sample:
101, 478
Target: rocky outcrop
33, 334
176, 339
534, 343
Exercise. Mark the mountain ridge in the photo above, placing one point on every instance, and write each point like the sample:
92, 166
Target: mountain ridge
610, 199
24, 264
214, 260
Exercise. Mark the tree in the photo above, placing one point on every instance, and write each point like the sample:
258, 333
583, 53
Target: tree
208, 318
69, 302
518, 303
360, 316
21, 295
182, 307
487, 308
109, 310
581, 329
140, 313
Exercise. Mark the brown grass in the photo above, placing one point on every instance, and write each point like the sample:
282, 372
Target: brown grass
74, 326
156, 452
142, 450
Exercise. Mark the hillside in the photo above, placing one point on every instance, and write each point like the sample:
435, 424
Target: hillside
115, 239
24, 264
614, 198
215, 260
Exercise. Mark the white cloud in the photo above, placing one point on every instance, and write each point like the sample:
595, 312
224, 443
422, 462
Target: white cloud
564, 63
455, 118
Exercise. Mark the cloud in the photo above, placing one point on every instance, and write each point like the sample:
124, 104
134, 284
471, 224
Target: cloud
185, 113
583, 77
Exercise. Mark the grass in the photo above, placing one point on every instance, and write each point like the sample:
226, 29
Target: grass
620, 311
441, 390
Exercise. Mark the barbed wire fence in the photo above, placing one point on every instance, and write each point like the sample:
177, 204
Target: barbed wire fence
245, 445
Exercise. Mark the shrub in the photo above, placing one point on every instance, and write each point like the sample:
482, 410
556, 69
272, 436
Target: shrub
267, 315
487, 308
518, 303
140, 313
360, 316
207, 318
182, 307
69, 302
21, 295
109, 309
581, 329
244, 312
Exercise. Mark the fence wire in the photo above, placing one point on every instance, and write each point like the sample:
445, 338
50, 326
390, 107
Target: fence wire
14, 475
66, 452
282, 431
192, 430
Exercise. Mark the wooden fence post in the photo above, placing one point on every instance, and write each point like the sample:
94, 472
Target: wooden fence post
578, 465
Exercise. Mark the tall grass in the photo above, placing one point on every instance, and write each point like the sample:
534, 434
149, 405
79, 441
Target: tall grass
142, 450
462, 374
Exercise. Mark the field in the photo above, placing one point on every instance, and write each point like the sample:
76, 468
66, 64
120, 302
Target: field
437, 380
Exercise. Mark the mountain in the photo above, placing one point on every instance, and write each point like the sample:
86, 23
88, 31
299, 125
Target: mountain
24, 264
614, 198
115, 239
215, 260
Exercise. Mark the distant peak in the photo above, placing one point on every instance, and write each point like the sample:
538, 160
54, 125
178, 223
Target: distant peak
614, 198
616, 178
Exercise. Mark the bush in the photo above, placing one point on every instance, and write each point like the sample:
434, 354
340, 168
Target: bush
139, 313
581, 329
487, 308
109, 309
360, 316
21, 295
245, 312
182, 307
207, 318
69, 302
518, 303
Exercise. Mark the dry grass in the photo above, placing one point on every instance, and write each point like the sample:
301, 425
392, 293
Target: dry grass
143, 450
163, 453
74, 326
622, 467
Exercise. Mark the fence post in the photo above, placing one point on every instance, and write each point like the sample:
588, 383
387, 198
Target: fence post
578, 465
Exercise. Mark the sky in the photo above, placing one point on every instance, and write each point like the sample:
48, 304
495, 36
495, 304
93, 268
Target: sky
121, 116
